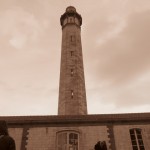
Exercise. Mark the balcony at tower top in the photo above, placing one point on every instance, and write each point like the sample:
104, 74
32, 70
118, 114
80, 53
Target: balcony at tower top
71, 14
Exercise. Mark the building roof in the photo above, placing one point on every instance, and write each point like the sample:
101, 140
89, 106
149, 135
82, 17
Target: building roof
93, 119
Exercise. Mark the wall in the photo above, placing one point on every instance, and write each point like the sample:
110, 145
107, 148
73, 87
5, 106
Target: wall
16, 133
44, 138
122, 136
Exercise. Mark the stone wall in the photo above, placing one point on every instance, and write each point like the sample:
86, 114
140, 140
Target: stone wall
122, 136
16, 133
44, 138
41, 132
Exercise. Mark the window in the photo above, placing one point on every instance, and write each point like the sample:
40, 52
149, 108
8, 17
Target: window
72, 38
62, 141
73, 141
72, 93
136, 139
71, 20
72, 72
71, 52
76, 21
67, 140
65, 21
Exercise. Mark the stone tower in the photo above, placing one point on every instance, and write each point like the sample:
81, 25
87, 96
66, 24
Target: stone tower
72, 95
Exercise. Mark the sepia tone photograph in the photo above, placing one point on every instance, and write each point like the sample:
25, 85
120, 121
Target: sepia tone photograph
74, 75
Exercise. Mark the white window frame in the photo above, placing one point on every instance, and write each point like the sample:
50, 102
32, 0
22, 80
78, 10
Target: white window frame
67, 145
135, 134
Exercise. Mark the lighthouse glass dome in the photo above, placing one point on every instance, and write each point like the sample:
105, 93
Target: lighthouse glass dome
70, 9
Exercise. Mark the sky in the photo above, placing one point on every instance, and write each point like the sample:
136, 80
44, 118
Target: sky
116, 54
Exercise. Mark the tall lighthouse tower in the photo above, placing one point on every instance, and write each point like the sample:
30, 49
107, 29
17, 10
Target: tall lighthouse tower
72, 95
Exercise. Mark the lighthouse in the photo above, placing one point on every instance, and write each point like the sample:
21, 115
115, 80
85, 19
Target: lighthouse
72, 93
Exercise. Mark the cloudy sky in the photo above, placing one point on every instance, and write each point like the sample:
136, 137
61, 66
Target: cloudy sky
116, 49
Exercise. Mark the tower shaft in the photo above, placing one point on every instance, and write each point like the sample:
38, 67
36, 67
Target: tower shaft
72, 95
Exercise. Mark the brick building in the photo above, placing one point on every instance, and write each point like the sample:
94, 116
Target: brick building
73, 128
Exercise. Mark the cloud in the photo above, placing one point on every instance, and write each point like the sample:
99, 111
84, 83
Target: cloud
127, 55
21, 26
131, 97
121, 67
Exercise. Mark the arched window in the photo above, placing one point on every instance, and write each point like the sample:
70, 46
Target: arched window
136, 139
68, 140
